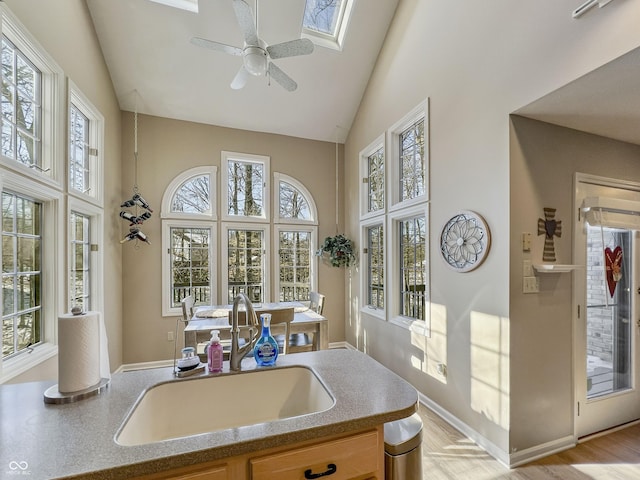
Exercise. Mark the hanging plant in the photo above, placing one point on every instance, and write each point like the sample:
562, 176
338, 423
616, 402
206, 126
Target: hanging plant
339, 251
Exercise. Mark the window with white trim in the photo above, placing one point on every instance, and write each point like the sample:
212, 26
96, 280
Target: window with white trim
397, 233
325, 22
245, 186
244, 259
31, 159
32, 118
189, 233
86, 137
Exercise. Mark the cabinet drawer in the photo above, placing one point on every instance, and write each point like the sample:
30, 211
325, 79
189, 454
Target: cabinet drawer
342, 459
198, 472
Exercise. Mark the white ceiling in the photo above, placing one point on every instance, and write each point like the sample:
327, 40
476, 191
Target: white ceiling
604, 102
157, 71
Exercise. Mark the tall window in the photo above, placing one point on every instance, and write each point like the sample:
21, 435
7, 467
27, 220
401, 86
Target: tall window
80, 261
395, 224
413, 267
190, 263
294, 250
21, 107
21, 273
246, 251
375, 266
189, 239
296, 238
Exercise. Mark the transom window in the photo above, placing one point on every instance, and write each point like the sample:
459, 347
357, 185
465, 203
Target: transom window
412, 172
78, 150
21, 107
244, 180
21, 273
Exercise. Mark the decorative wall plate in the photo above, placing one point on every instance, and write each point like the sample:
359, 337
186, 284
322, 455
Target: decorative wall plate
465, 241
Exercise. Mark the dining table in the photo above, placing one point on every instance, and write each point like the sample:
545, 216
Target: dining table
216, 317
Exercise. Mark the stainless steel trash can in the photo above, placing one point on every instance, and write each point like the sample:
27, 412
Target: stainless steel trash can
403, 449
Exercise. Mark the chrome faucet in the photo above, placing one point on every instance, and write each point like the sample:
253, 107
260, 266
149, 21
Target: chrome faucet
237, 352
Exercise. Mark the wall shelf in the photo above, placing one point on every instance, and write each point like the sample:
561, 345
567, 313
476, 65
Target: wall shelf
555, 268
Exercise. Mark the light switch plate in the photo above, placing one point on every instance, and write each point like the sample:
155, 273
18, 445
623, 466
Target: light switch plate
526, 242
530, 285
527, 269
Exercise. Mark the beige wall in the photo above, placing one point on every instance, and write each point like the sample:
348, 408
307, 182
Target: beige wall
544, 159
65, 30
477, 63
165, 149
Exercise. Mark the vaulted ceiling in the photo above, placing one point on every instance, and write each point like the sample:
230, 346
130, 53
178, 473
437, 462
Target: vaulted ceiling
157, 71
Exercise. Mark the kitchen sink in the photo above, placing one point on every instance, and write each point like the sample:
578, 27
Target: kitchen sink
194, 406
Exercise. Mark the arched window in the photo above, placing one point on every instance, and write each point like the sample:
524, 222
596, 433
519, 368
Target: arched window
198, 263
189, 239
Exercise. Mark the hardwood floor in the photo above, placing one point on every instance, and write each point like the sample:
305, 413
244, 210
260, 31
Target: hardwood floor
447, 454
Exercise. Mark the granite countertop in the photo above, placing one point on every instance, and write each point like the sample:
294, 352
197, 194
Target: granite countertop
76, 440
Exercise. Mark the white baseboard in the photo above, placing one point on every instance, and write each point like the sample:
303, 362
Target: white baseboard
539, 451
488, 446
346, 345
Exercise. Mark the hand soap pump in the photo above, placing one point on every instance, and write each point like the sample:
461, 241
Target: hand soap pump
214, 353
266, 350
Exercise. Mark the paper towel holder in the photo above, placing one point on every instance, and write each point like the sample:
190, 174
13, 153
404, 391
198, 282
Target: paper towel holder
54, 395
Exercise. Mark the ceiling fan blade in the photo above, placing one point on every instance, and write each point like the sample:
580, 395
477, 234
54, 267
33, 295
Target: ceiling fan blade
240, 80
292, 48
246, 22
282, 78
221, 47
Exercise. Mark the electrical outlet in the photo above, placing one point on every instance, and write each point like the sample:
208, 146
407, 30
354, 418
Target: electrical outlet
526, 242
169, 336
442, 369
530, 285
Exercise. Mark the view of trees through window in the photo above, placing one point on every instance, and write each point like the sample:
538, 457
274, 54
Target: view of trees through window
375, 180
293, 204
78, 150
295, 265
21, 273
190, 264
413, 269
246, 188
20, 106
375, 273
412, 165
322, 15
246, 264
80, 279
193, 196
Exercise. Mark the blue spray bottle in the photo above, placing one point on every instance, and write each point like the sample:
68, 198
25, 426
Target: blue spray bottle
266, 350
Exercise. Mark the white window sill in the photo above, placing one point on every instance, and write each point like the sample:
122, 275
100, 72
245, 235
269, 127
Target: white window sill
26, 361
374, 312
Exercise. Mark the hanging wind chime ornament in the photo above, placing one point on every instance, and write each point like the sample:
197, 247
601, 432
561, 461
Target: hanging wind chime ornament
141, 209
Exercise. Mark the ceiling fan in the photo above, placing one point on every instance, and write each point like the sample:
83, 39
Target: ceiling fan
256, 54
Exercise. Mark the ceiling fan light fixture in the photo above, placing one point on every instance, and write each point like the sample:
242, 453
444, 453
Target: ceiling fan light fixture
255, 60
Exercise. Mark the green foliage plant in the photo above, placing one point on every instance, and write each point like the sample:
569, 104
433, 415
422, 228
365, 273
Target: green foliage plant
338, 251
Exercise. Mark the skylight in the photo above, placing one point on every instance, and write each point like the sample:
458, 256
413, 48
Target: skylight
189, 5
325, 22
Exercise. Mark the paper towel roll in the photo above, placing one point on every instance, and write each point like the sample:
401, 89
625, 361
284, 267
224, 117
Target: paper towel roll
78, 351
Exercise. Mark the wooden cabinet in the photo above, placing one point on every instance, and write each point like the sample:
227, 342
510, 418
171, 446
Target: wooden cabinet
359, 456
354, 457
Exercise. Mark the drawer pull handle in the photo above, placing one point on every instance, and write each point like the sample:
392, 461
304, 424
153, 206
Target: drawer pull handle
331, 469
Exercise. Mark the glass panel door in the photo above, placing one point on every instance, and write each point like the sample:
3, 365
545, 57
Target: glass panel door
609, 322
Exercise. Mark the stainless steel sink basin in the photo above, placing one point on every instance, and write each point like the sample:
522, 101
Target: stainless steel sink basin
195, 406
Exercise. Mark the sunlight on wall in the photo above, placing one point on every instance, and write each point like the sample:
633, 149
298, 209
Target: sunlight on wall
433, 361
489, 342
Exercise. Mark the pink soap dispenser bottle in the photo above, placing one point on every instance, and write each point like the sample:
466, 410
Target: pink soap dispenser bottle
214, 353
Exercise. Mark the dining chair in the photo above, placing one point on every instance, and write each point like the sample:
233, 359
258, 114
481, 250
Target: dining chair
316, 302
187, 308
